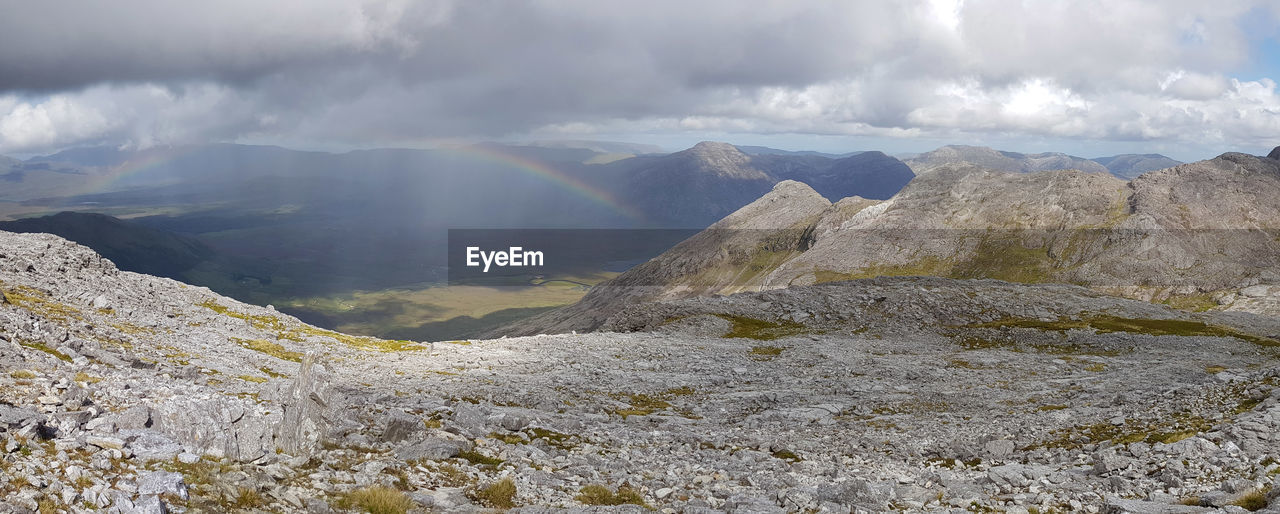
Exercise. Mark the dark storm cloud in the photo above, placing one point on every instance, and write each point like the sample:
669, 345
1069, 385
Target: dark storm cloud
384, 71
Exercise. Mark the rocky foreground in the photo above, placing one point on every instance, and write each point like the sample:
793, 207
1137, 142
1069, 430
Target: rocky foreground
127, 393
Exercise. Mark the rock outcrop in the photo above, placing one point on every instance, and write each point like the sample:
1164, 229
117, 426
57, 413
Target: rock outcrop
307, 405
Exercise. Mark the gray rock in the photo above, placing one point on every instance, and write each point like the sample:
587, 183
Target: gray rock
150, 504
317, 506
514, 422
219, 426
1109, 461
163, 482
400, 426
136, 417
152, 445
1120, 506
432, 448
857, 492
470, 419
306, 405
17, 416
1010, 477
999, 449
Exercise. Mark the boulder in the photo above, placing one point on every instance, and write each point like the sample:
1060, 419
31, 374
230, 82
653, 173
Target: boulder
163, 482
306, 405
217, 425
152, 445
432, 448
400, 427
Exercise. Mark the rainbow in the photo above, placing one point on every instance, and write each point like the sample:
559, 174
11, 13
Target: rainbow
541, 170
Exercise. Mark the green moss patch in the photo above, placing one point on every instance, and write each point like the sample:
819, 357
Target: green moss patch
36, 345
1104, 324
764, 353
300, 333
273, 349
751, 328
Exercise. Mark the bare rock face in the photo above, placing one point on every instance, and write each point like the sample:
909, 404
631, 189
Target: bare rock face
306, 405
218, 426
1275, 153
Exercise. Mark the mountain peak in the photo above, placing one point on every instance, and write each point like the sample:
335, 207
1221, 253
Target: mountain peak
723, 159
714, 146
1275, 153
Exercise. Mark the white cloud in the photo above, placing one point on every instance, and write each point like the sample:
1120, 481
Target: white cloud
379, 71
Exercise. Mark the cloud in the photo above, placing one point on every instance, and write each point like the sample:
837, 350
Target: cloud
382, 72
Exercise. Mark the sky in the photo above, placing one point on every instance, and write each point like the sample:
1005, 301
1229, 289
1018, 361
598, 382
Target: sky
1186, 78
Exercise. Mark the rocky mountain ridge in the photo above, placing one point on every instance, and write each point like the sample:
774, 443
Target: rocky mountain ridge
1195, 235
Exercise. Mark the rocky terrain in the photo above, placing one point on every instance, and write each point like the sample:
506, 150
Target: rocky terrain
128, 393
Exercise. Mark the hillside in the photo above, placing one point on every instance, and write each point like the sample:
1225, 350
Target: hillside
125, 392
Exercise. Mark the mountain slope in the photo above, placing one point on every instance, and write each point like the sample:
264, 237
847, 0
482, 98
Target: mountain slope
1130, 166
1000, 160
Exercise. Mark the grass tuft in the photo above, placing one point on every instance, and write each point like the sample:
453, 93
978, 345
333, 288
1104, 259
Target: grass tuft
499, 495
600, 495
377, 500
1253, 500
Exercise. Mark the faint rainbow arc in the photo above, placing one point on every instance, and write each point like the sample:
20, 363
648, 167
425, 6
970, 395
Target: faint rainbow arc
547, 172
158, 157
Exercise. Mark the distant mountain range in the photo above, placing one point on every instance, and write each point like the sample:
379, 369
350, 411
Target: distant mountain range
554, 184
696, 187
1126, 166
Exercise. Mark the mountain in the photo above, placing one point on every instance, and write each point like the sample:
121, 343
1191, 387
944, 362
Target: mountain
1129, 166
131, 393
867, 174
696, 187
1160, 237
94, 156
1000, 160
603, 147
764, 150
